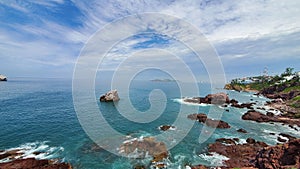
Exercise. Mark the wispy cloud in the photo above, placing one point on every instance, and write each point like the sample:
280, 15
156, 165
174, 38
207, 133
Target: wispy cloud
52, 32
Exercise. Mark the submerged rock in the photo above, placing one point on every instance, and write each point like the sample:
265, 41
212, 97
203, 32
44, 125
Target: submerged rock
242, 130
111, 96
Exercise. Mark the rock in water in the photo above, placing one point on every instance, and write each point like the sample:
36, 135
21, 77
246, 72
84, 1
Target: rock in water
111, 96
3, 78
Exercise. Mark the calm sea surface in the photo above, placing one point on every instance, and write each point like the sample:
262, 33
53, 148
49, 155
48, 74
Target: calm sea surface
39, 115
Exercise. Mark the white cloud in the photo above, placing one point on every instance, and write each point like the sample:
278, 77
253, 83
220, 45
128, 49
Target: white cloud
235, 25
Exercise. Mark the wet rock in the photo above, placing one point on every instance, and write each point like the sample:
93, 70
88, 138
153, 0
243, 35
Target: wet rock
259, 117
236, 139
218, 98
242, 130
111, 96
270, 114
217, 123
147, 146
226, 141
166, 127
250, 140
202, 118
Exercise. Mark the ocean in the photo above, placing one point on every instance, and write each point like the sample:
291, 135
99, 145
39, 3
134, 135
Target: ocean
38, 114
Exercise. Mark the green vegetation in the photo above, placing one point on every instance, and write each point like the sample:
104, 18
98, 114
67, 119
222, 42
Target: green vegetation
285, 86
292, 88
297, 98
287, 81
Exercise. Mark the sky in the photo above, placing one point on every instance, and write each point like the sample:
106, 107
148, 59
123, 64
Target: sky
44, 38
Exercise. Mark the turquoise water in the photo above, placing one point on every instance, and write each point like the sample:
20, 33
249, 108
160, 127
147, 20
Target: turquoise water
38, 114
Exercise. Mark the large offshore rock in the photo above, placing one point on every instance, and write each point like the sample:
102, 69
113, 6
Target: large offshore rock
110, 96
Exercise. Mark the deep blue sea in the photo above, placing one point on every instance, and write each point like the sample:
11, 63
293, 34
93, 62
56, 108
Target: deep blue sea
39, 115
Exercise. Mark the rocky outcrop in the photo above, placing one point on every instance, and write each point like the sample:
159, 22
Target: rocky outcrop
202, 118
3, 78
111, 96
33, 163
147, 146
279, 104
243, 105
240, 155
279, 156
242, 131
259, 117
218, 98
166, 127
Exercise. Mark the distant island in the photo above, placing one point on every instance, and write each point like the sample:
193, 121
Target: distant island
3, 78
163, 80
283, 88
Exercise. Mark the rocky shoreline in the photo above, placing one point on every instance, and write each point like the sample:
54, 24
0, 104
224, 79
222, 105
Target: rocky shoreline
252, 154
256, 155
14, 161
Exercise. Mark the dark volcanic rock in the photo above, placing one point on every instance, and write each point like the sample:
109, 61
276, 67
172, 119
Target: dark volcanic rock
242, 131
280, 156
202, 118
34, 164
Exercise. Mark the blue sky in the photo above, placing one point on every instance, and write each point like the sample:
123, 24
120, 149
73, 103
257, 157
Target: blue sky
41, 38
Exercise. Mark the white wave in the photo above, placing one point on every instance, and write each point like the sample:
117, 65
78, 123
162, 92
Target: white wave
38, 150
181, 101
214, 159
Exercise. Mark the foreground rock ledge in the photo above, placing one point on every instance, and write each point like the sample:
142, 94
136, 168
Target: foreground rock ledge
33, 163
111, 96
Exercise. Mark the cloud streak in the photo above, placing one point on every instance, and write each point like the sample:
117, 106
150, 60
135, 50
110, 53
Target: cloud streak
52, 32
